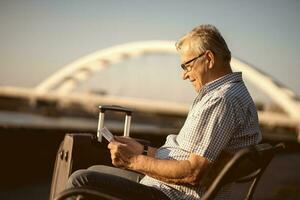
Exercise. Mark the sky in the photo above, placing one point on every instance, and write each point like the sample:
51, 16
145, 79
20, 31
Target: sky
39, 37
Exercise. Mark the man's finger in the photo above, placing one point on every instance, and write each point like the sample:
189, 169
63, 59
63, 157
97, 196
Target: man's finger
123, 139
113, 144
117, 162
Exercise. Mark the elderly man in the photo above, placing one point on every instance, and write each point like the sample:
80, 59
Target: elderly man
222, 117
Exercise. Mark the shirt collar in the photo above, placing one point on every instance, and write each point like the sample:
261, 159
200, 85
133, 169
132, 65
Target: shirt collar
228, 78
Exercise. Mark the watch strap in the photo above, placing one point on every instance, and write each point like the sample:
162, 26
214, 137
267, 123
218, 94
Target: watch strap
145, 151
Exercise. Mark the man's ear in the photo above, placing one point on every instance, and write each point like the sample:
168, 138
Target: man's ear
210, 59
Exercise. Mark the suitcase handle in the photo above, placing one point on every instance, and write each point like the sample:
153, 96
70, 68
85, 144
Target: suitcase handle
115, 108
104, 108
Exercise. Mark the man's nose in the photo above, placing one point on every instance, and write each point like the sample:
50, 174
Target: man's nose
184, 75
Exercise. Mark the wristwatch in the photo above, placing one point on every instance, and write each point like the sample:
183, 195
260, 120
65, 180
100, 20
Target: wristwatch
145, 151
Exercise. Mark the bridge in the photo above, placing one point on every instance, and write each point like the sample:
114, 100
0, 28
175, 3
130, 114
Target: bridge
57, 92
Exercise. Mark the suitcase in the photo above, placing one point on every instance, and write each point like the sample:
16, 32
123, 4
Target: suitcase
82, 150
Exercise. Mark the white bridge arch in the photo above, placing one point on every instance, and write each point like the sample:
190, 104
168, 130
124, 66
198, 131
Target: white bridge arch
65, 80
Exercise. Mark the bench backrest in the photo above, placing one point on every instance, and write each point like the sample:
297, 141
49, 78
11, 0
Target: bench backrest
247, 165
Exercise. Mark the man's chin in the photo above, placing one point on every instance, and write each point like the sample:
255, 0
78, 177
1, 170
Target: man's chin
197, 88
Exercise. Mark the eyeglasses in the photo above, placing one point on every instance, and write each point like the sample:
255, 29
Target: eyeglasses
189, 68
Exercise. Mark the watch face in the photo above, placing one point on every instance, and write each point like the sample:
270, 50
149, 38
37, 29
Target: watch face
145, 152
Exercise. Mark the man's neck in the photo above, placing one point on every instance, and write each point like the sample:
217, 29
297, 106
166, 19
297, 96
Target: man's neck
220, 71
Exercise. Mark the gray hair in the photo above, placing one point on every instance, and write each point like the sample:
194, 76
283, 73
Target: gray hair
205, 37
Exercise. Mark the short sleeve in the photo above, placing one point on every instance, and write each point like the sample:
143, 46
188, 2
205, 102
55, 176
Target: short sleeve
214, 128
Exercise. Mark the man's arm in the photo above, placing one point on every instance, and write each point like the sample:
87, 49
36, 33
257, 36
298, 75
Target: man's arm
128, 155
172, 171
151, 151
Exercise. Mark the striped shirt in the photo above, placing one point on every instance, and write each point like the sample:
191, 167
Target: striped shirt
222, 117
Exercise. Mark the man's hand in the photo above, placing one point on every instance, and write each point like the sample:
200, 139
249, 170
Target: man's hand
127, 153
123, 151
